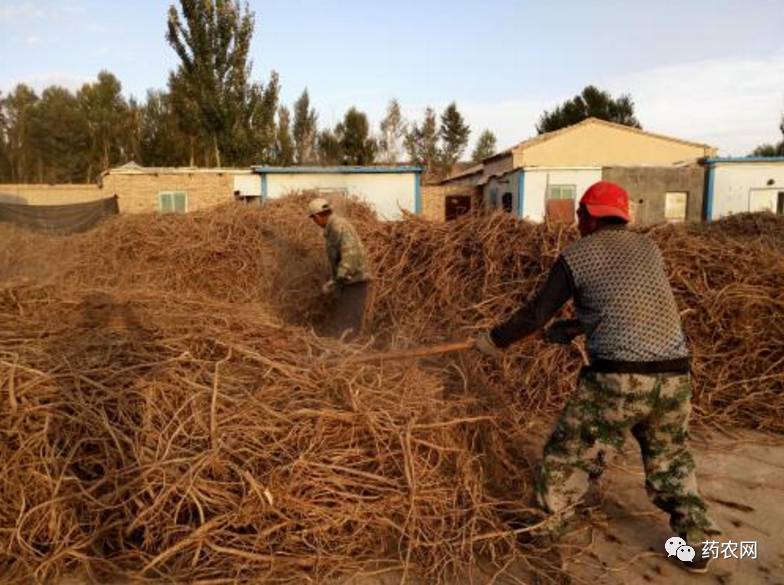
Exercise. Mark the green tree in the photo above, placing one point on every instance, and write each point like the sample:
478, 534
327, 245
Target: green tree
356, 144
767, 150
131, 144
262, 137
107, 115
330, 151
591, 103
163, 143
60, 135
454, 135
485, 147
18, 110
184, 106
305, 129
284, 143
393, 131
422, 142
771, 149
212, 39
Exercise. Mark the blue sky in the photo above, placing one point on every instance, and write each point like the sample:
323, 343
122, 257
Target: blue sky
711, 71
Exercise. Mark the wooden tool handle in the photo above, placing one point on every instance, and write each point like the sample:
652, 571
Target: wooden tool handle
416, 352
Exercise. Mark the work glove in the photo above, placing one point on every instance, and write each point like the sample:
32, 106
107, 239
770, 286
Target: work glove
485, 344
328, 288
563, 332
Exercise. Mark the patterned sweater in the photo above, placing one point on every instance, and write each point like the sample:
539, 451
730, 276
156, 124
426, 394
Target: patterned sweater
623, 302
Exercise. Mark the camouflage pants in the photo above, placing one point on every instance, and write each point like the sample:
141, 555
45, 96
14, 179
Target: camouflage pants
655, 408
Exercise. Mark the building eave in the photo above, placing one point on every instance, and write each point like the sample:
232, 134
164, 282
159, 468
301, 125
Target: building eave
343, 170
741, 159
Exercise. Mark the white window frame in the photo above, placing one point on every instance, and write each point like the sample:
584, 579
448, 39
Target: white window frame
174, 207
560, 186
667, 207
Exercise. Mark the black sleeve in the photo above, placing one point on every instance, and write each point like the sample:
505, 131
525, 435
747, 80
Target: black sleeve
538, 311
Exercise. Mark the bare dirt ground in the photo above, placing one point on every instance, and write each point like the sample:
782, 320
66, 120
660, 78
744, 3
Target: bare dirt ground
621, 540
742, 479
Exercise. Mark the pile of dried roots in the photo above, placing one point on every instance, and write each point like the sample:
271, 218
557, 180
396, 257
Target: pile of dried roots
168, 412
169, 437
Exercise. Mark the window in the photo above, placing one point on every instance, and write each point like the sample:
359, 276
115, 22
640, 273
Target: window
780, 204
561, 191
457, 205
172, 202
675, 206
506, 202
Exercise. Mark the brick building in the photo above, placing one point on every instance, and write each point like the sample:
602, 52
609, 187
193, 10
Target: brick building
182, 189
544, 176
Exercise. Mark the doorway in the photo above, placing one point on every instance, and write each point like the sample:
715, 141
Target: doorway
457, 205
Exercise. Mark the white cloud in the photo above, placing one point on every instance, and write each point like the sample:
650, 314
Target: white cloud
72, 8
733, 104
40, 82
21, 11
32, 41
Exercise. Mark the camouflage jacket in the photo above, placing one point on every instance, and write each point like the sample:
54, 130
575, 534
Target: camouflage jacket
347, 257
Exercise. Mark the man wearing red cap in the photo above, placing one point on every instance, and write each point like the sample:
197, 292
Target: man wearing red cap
638, 377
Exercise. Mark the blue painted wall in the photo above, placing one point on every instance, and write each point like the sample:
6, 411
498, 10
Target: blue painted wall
418, 193
521, 193
709, 186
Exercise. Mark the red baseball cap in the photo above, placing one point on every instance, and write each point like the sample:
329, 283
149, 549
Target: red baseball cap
605, 199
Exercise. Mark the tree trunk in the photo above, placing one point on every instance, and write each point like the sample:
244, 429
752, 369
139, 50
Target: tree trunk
105, 156
217, 150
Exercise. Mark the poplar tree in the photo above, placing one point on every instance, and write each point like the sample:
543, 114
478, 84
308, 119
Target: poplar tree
60, 138
284, 144
18, 110
212, 39
393, 131
107, 116
305, 130
329, 148
454, 136
422, 142
485, 146
356, 144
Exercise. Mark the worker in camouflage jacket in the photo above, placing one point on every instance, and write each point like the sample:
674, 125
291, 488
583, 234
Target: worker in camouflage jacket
638, 377
350, 280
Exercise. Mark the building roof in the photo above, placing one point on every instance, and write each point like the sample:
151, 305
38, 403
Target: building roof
744, 159
337, 170
589, 121
132, 168
472, 170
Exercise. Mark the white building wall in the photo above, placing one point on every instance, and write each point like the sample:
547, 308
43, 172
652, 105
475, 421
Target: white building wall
248, 184
734, 182
387, 193
538, 179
